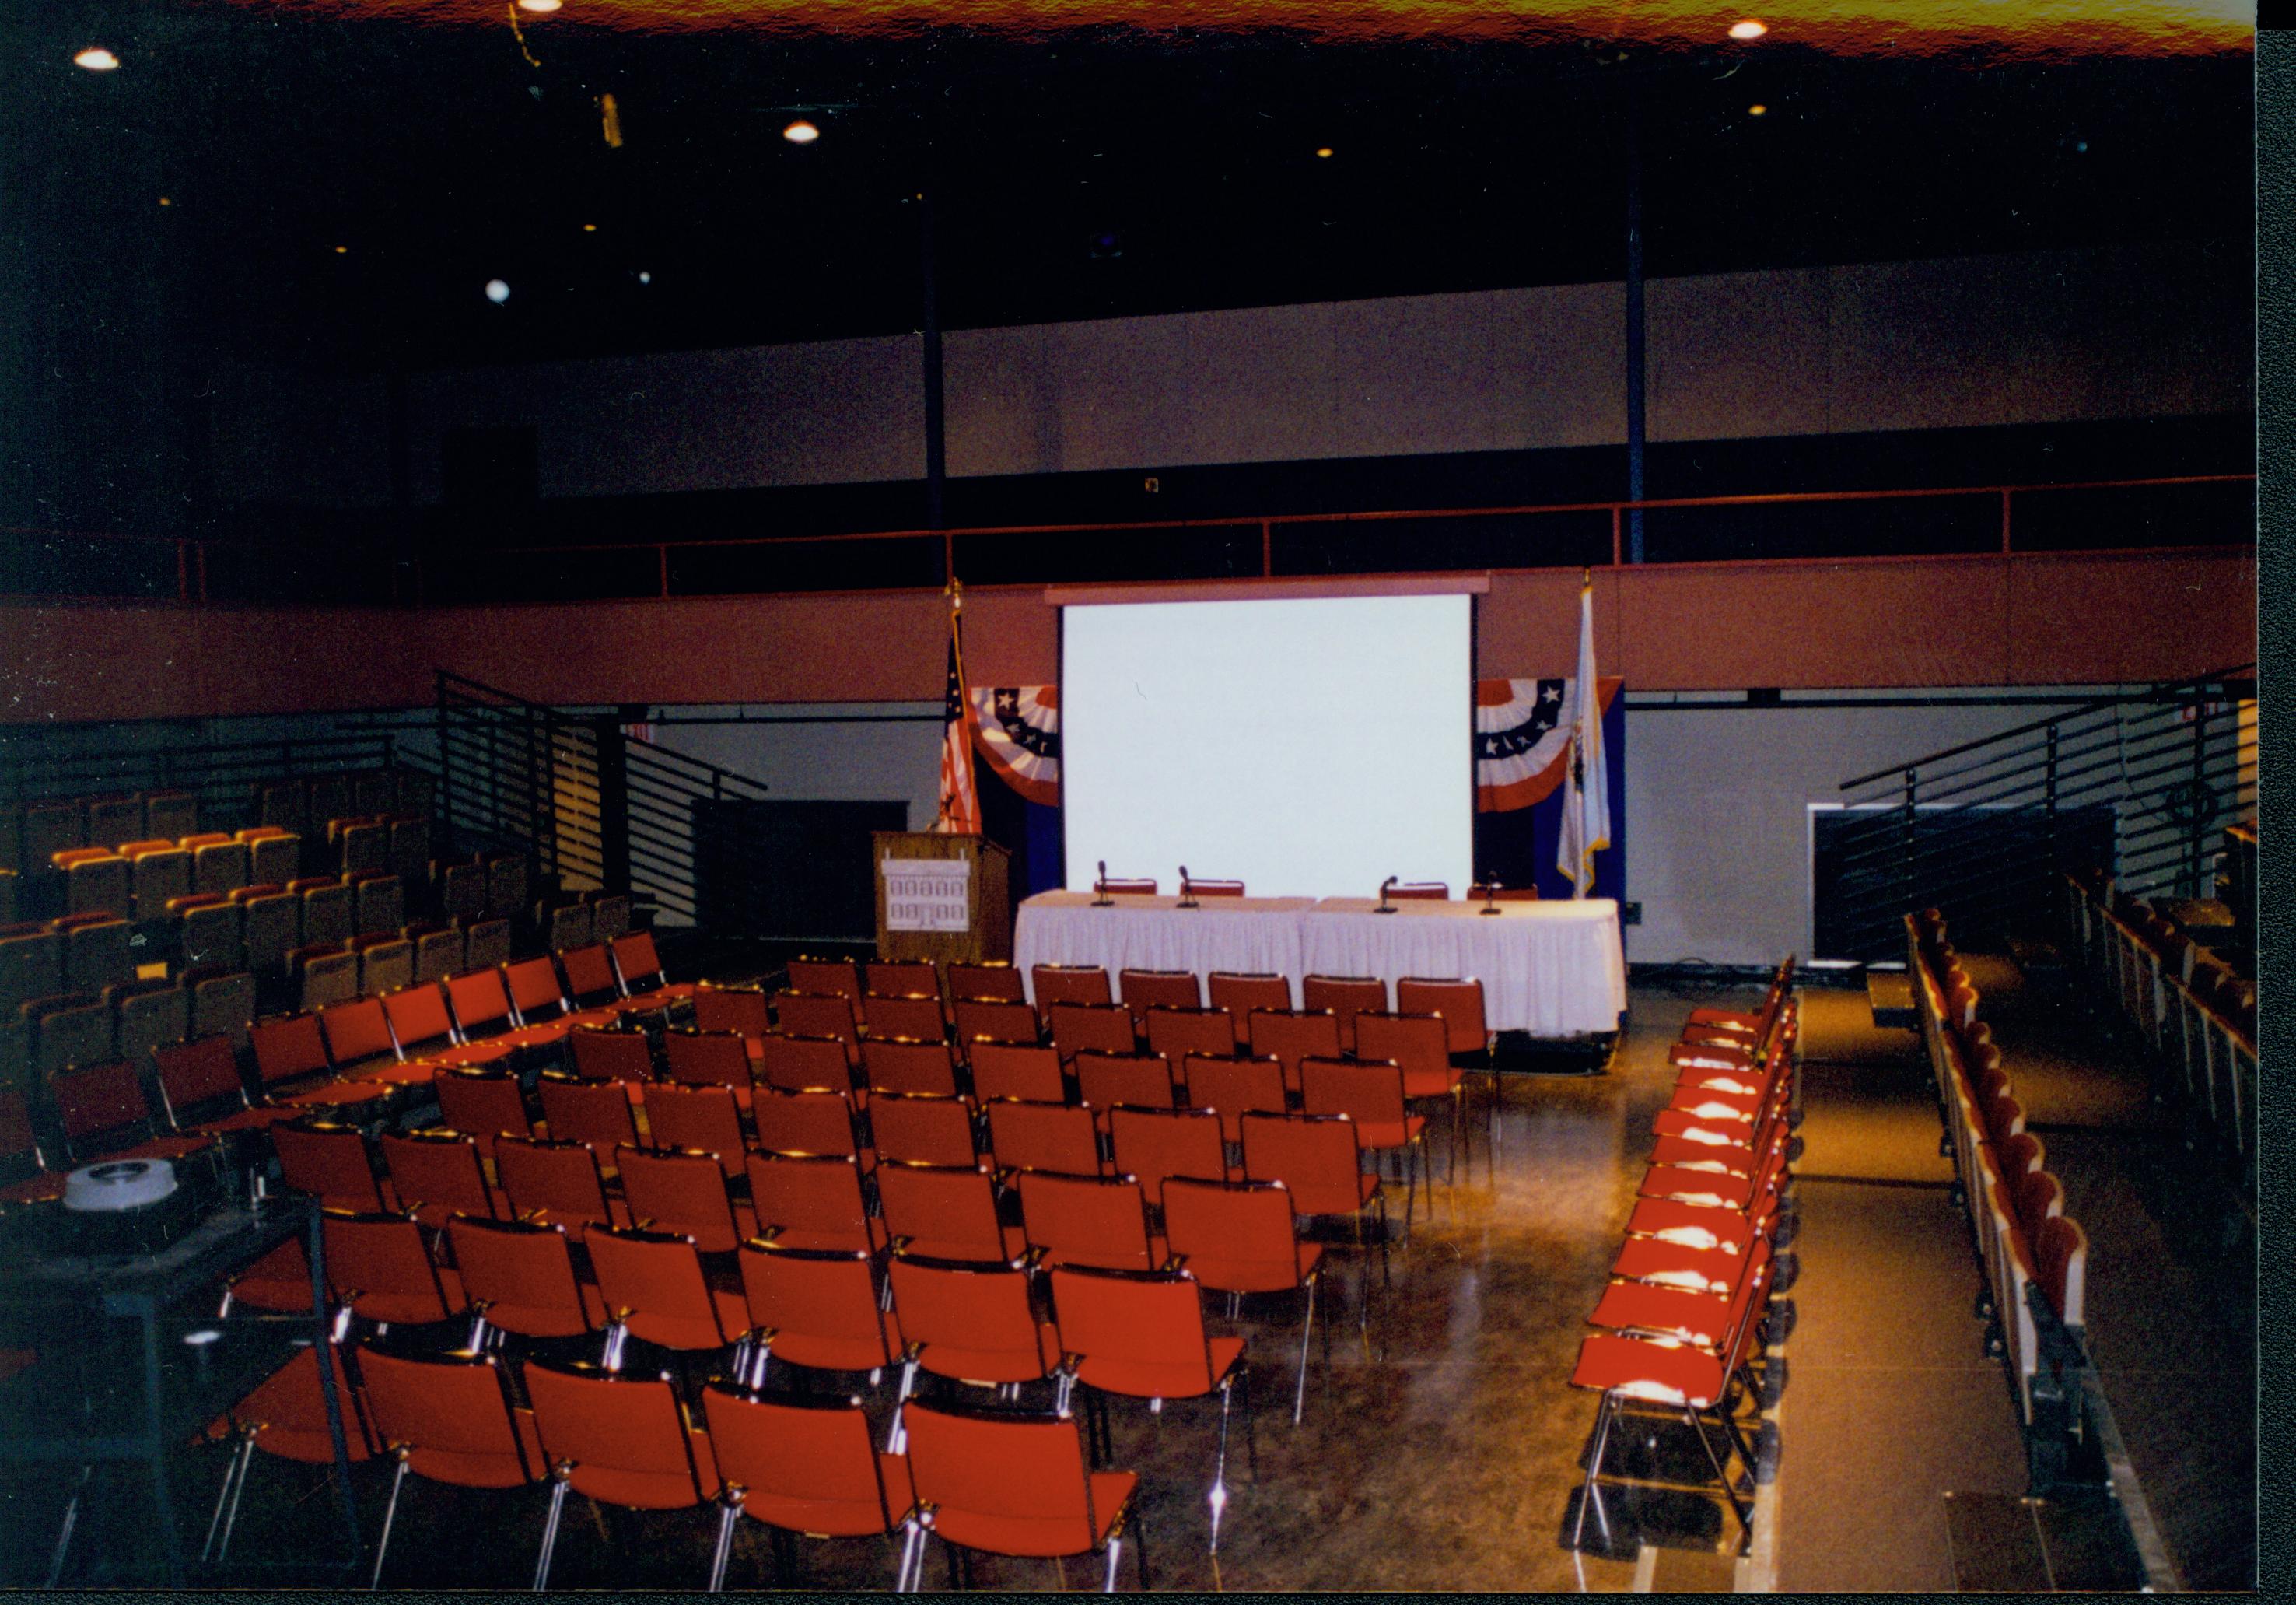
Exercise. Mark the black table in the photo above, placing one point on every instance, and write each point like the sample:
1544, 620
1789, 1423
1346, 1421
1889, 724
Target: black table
181, 1388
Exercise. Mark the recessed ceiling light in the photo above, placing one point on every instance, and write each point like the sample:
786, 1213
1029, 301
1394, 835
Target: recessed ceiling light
1323, 150
497, 291
644, 277
589, 228
95, 58
342, 251
1749, 29
1758, 109
539, 5
165, 201
801, 132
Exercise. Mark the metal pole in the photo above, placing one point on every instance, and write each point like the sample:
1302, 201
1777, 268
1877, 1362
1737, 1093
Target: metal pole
1633, 324
936, 428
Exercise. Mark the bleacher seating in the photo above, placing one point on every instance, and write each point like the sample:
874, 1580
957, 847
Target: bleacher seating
2032, 1300
2193, 1013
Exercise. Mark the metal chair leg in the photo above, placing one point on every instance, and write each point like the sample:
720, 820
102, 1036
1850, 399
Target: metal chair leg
230, 1516
730, 1514
549, 1536
1590, 1492
215, 1522
1115, 1552
1307, 1331
390, 1515
72, 1519
1219, 1473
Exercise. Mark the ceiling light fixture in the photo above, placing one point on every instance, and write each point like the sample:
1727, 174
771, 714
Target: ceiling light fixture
165, 201
497, 291
95, 58
342, 251
801, 132
589, 228
1758, 109
644, 277
1323, 150
542, 7
1749, 29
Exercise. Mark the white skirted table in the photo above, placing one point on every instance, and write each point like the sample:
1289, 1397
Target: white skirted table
1554, 969
1255, 935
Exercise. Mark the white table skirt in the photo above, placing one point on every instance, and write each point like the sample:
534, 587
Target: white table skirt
1258, 935
1553, 970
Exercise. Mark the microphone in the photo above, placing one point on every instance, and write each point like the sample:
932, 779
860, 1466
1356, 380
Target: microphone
1491, 890
1386, 907
1100, 899
1187, 892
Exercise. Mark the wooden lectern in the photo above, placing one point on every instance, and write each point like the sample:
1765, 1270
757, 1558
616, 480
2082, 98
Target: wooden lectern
938, 911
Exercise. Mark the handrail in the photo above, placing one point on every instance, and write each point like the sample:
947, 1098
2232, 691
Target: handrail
192, 577
2162, 691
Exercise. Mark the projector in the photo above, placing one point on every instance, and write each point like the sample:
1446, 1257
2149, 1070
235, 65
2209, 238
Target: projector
136, 1206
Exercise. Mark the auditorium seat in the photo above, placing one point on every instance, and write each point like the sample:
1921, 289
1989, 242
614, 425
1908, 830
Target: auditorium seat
223, 1001
386, 962
66, 1031
322, 973
274, 855
358, 845
438, 951
458, 888
378, 903
156, 871
327, 915
207, 930
567, 923
271, 927
486, 940
31, 965
219, 863
609, 914
147, 1016
96, 881
170, 813
409, 856
280, 802
326, 798
373, 792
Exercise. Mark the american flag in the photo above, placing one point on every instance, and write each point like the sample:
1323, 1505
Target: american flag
960, 799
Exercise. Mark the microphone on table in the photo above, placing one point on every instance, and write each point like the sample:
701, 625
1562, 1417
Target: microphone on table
1100, 899
1187, 891
1490, 891
1386, 907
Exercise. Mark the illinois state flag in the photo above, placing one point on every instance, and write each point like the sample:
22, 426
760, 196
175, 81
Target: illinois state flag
1586, 787
960, 798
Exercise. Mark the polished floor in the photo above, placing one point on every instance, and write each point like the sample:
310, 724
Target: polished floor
1440, 1452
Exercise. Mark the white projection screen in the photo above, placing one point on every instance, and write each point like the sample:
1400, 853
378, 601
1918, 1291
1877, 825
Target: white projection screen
1305, 747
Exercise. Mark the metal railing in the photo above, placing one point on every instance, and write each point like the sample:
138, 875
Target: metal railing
35, 764
2142, 783
2003, 519
594, 807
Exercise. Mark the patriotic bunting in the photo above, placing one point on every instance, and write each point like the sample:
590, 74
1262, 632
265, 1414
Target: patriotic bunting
1018, 729
1523, 737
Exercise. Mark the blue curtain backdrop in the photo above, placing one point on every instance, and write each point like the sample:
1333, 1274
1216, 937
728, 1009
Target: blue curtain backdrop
1518, 847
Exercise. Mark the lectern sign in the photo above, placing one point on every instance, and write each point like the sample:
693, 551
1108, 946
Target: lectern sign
928, 894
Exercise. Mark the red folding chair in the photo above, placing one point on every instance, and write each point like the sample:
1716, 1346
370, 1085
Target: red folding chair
1141, 990
1099, 1220
1068, 983
1344, 997
1178, 1032
802, 1466
448, 1418
1141, 1334
994, 980
684, 1191
1141, 1081
1042, 1501
1290, 1035
1242, 1237
899, 1064
927, 1128
916, 1019
813, 1201
1370, 1094
1241, 991
824, 1309
1089, 1027
996, 1020
653, 1288
801, 1064
519, 1276
1001, 1070
619, 1440
703, 1118
945, 1212
1043, 1136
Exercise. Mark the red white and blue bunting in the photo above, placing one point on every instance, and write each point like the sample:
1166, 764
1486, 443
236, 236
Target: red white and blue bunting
1522, 738
1018, 729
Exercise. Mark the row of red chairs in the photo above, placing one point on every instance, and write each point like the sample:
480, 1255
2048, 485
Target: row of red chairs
1682, 1315
2025, 1241
359, 1056
802, 1465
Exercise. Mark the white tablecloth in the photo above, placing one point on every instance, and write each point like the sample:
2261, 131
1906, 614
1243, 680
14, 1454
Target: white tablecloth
1258, 935
1554, 969
1550, 968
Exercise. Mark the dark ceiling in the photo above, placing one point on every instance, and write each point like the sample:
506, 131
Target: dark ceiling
1087, 173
